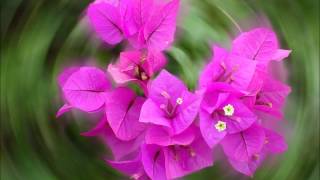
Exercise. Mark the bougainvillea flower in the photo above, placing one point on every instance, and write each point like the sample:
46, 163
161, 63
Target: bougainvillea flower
162, 136
137, 66
123, 110
222, 112
145, 23
259, 44
269, 96
244, 145
182, 160
105, 18
84, 88
120, 149
225, 67
171, 162
170, 104
159, 30
273, 144
132, 167
152, 158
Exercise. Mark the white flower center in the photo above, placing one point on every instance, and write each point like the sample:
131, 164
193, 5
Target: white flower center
228, 110
179, 101
220, 126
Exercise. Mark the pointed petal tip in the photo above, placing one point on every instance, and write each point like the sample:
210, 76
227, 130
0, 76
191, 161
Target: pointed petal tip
65, 108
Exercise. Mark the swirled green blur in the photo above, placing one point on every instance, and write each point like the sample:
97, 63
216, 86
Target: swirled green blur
40, 37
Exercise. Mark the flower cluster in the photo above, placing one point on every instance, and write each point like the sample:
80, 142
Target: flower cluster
169, 131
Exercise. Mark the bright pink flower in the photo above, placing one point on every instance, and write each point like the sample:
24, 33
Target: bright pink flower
106, 20
244, 145
159, 30
169, 104
182, 160
123, 111
137, 66
120, 149
223, 112
269, 95
176, 161
273, 144
259, 44
225, 67
163, 136
84, 88
152, 158
145, 23
132, 167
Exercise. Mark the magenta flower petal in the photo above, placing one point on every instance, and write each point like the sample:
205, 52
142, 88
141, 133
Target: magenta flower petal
247, 168
170, 104
188, 112
137, 66
118, 76
155, 62
131, 167
160, 28
232, 69
217, 93
271, 97
142, 10
242, 118
212, 69
274, 142
280, 54
151, 113
207, 126
106, 21
259, 44
243, 145
166, 83
128, 24
86, 89
153, 161
183, 160
120, 149
65, 108
64, 76
163, 137
123, 110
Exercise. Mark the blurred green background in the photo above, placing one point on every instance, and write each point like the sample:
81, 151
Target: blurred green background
40, 37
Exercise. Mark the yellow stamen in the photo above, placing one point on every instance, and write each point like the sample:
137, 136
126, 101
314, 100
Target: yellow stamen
144, 76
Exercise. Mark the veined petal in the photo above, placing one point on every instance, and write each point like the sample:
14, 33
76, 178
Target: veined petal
106, 21
186, 113
160, 28
183, 160
162, 136
153, 161
123, 110
243, 145
151, 113
210, 134
86, 89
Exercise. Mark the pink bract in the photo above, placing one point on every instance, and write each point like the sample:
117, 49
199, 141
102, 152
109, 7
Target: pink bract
168, 131
123, 110
170, 104
84, 88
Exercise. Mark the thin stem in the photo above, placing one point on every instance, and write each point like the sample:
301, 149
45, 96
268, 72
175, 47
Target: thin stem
231, 18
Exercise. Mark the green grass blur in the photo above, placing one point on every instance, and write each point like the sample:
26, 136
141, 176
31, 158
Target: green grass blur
41, 37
